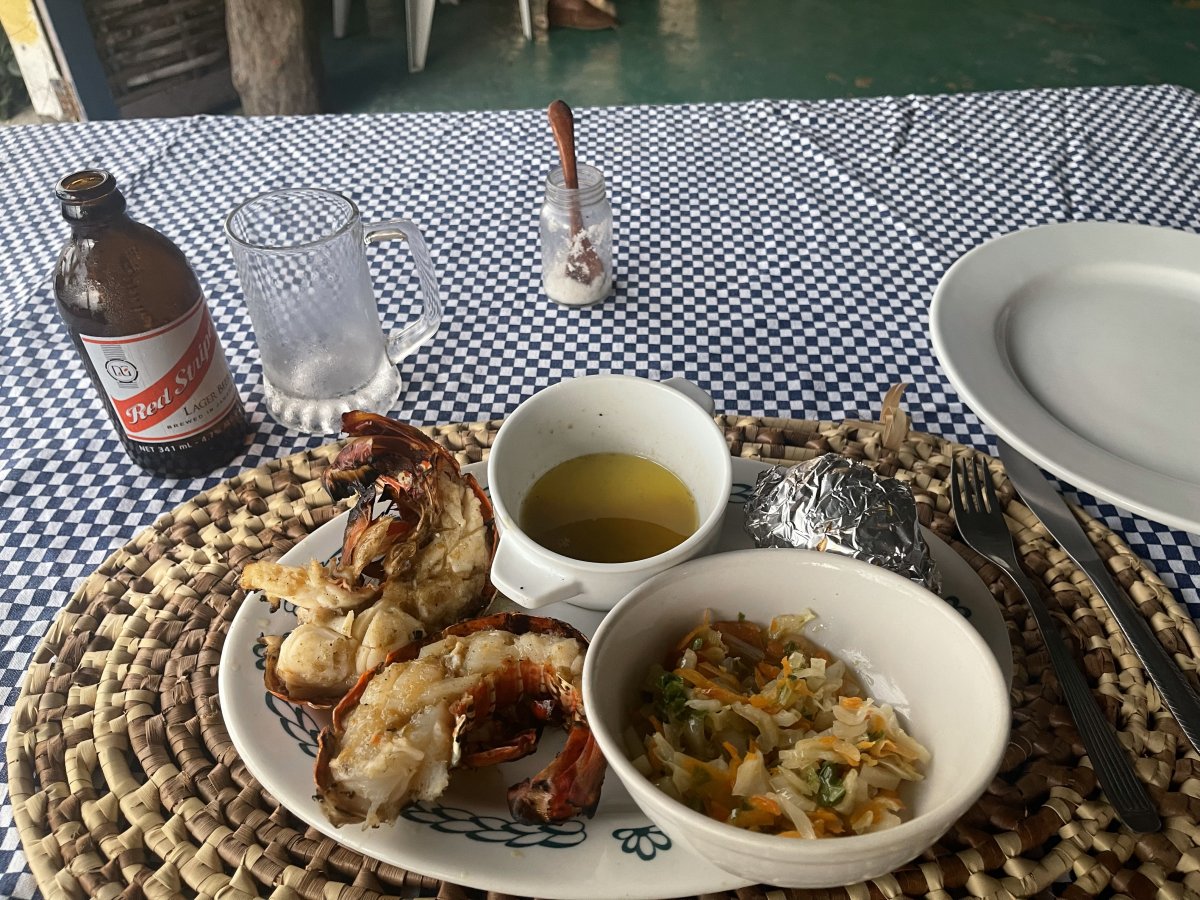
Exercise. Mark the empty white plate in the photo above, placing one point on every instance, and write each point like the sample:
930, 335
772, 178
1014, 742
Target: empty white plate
1079, 344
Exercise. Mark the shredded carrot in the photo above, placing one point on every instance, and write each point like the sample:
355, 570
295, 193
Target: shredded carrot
851, 703
798, 686
766, 804
826, 821
752, 817
718, 675
691, 636
765, 673
759, 701
718, 811
735, 761
732, 751
877, 807
652, 756
748, 633
775, 649
869, 811
708, 687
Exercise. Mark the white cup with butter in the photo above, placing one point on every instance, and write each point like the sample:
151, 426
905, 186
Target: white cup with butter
600, 482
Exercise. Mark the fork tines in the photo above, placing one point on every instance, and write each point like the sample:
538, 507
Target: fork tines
964, 473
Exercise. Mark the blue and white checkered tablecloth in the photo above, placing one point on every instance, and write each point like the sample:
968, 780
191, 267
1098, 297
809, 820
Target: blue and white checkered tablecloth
780, 254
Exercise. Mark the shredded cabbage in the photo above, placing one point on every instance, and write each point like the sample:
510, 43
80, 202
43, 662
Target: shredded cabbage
762, 729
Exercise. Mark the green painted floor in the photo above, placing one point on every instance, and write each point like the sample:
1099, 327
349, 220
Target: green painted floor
671, 51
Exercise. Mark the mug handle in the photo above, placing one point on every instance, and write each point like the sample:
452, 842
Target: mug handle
521, 581
401, 343
693, 392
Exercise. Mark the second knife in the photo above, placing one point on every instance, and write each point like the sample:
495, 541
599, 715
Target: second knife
1049, 506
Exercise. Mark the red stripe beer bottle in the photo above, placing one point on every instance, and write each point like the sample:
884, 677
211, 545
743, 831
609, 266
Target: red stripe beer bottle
138, 318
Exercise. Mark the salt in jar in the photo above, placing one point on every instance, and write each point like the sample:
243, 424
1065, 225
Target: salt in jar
576, 239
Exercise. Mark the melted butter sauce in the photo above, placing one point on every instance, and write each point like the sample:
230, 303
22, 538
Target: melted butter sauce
609, 508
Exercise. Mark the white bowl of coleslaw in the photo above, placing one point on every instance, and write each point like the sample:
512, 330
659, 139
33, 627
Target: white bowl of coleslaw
784, 762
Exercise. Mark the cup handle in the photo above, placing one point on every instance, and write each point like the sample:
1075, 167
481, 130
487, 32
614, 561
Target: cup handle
521, 581
693, 392
401, 343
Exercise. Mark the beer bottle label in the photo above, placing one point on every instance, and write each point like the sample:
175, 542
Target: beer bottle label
168, 384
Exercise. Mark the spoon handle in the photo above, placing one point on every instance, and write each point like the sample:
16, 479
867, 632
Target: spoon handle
562, 124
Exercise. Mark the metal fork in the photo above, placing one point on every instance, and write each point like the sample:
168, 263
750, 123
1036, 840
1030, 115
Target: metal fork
981, 524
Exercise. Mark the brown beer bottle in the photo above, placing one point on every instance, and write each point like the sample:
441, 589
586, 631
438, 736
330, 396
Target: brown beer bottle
139, 320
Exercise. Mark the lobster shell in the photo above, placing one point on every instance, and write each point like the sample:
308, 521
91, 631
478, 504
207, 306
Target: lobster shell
377, 449
553, 795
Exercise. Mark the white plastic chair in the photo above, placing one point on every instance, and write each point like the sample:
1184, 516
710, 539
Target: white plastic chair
418, 22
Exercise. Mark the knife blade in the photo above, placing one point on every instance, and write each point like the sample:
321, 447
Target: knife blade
1049, 506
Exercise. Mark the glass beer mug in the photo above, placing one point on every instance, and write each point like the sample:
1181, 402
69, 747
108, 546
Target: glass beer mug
301, 258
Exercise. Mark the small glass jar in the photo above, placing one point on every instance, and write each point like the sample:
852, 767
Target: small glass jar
577, 239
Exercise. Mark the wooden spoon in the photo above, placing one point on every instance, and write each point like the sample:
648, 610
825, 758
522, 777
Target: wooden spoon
583, 263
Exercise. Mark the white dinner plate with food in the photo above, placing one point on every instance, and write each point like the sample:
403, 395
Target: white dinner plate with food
1077, 344
468, 836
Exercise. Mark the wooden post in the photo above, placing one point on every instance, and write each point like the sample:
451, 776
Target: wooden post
274, 56
51, 94
79, 58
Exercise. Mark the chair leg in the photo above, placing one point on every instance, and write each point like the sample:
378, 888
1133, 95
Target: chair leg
341, 13
418, 16
526, 19
540, 18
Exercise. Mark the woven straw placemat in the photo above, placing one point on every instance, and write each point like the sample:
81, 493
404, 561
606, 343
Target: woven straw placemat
124, 782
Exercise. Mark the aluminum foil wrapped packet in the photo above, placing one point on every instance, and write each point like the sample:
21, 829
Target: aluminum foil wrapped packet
840, 506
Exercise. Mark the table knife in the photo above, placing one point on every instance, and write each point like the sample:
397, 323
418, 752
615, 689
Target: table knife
1049, 506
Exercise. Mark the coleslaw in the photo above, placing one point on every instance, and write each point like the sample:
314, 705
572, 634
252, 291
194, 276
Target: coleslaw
761, 729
